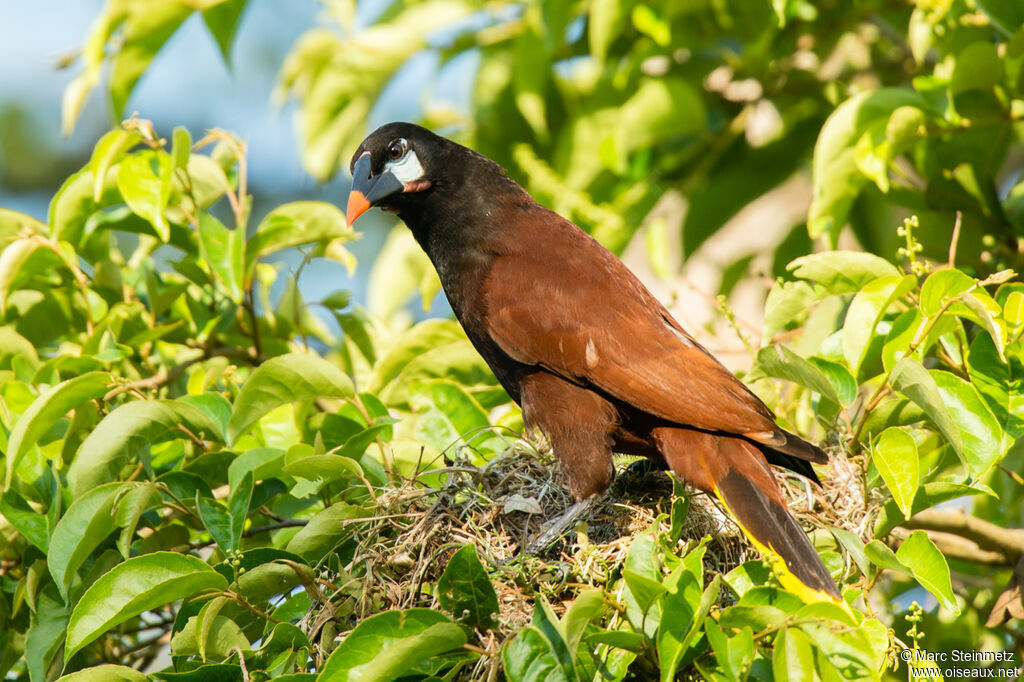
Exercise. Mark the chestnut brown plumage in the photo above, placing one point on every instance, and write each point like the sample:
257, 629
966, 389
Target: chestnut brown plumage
595, 361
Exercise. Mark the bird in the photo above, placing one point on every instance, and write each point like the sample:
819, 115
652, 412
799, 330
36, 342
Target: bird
594, 360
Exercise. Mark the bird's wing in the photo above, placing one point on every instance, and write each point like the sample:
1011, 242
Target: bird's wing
561, 301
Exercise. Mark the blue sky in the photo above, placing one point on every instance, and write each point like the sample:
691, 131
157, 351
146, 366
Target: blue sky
189, 84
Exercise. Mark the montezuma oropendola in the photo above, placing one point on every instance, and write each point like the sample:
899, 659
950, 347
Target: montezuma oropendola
595, 361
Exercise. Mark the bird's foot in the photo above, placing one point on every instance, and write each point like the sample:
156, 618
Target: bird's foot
557, 527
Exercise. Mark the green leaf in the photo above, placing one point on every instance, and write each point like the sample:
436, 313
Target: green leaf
108, 151
144, 180
127, 431
1005, 15
530, 656
138, 585
14, 224
397, 273
883, 557
778, 361
853, 545
530, 74
682, 618
842, 381
181, 149
588, 605
977, 67
643, 588
911, 379
867, 308
457, 361
785, 302
300, 222
973, 302
926, 563
895, 456
327, 468
465, 590
286, 379
1013, 313
14, 345
447, 415
793, 657
735, 653
26, 520
87, 522
336, 300
842, 272
130, 509
943, 286
216, 636
928, 495
216, 520
384, 646
837, 177
107, 672
13, 258
222, 21
606, 21
1000, 384
45, 410
324, 531
649, 23
224, 250
238, 507
979, 431
45, 633
146, 30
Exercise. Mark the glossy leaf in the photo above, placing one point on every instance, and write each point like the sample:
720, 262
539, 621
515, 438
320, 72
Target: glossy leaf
912, 380
837, 176
294, 224
927, 496
928, 566
793, 656
1000, 384
465, 590
324, 531
286, 379
45, 410
979, 432
866, 310
778, 361
86, 523
110, 148
144, 181
224, 250
105, 673
126, 431
139, 584
384, 646
842, 272
895, 456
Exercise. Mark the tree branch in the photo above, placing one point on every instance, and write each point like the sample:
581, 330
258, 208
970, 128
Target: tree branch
989, 538
956, 547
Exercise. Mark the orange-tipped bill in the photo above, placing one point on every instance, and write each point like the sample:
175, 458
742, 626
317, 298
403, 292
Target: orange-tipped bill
357, 206
368, 189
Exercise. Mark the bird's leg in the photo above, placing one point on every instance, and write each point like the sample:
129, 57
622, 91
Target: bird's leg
579, 424
557, 527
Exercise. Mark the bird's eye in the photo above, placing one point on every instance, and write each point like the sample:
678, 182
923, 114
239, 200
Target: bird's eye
397, 148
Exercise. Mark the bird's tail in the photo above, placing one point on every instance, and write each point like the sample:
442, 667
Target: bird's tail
736, 472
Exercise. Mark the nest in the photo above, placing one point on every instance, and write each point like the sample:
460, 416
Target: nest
501, 505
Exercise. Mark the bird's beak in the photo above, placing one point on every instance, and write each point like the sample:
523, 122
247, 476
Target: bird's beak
367, 189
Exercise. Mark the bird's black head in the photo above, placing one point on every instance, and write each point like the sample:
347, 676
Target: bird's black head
394, 163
